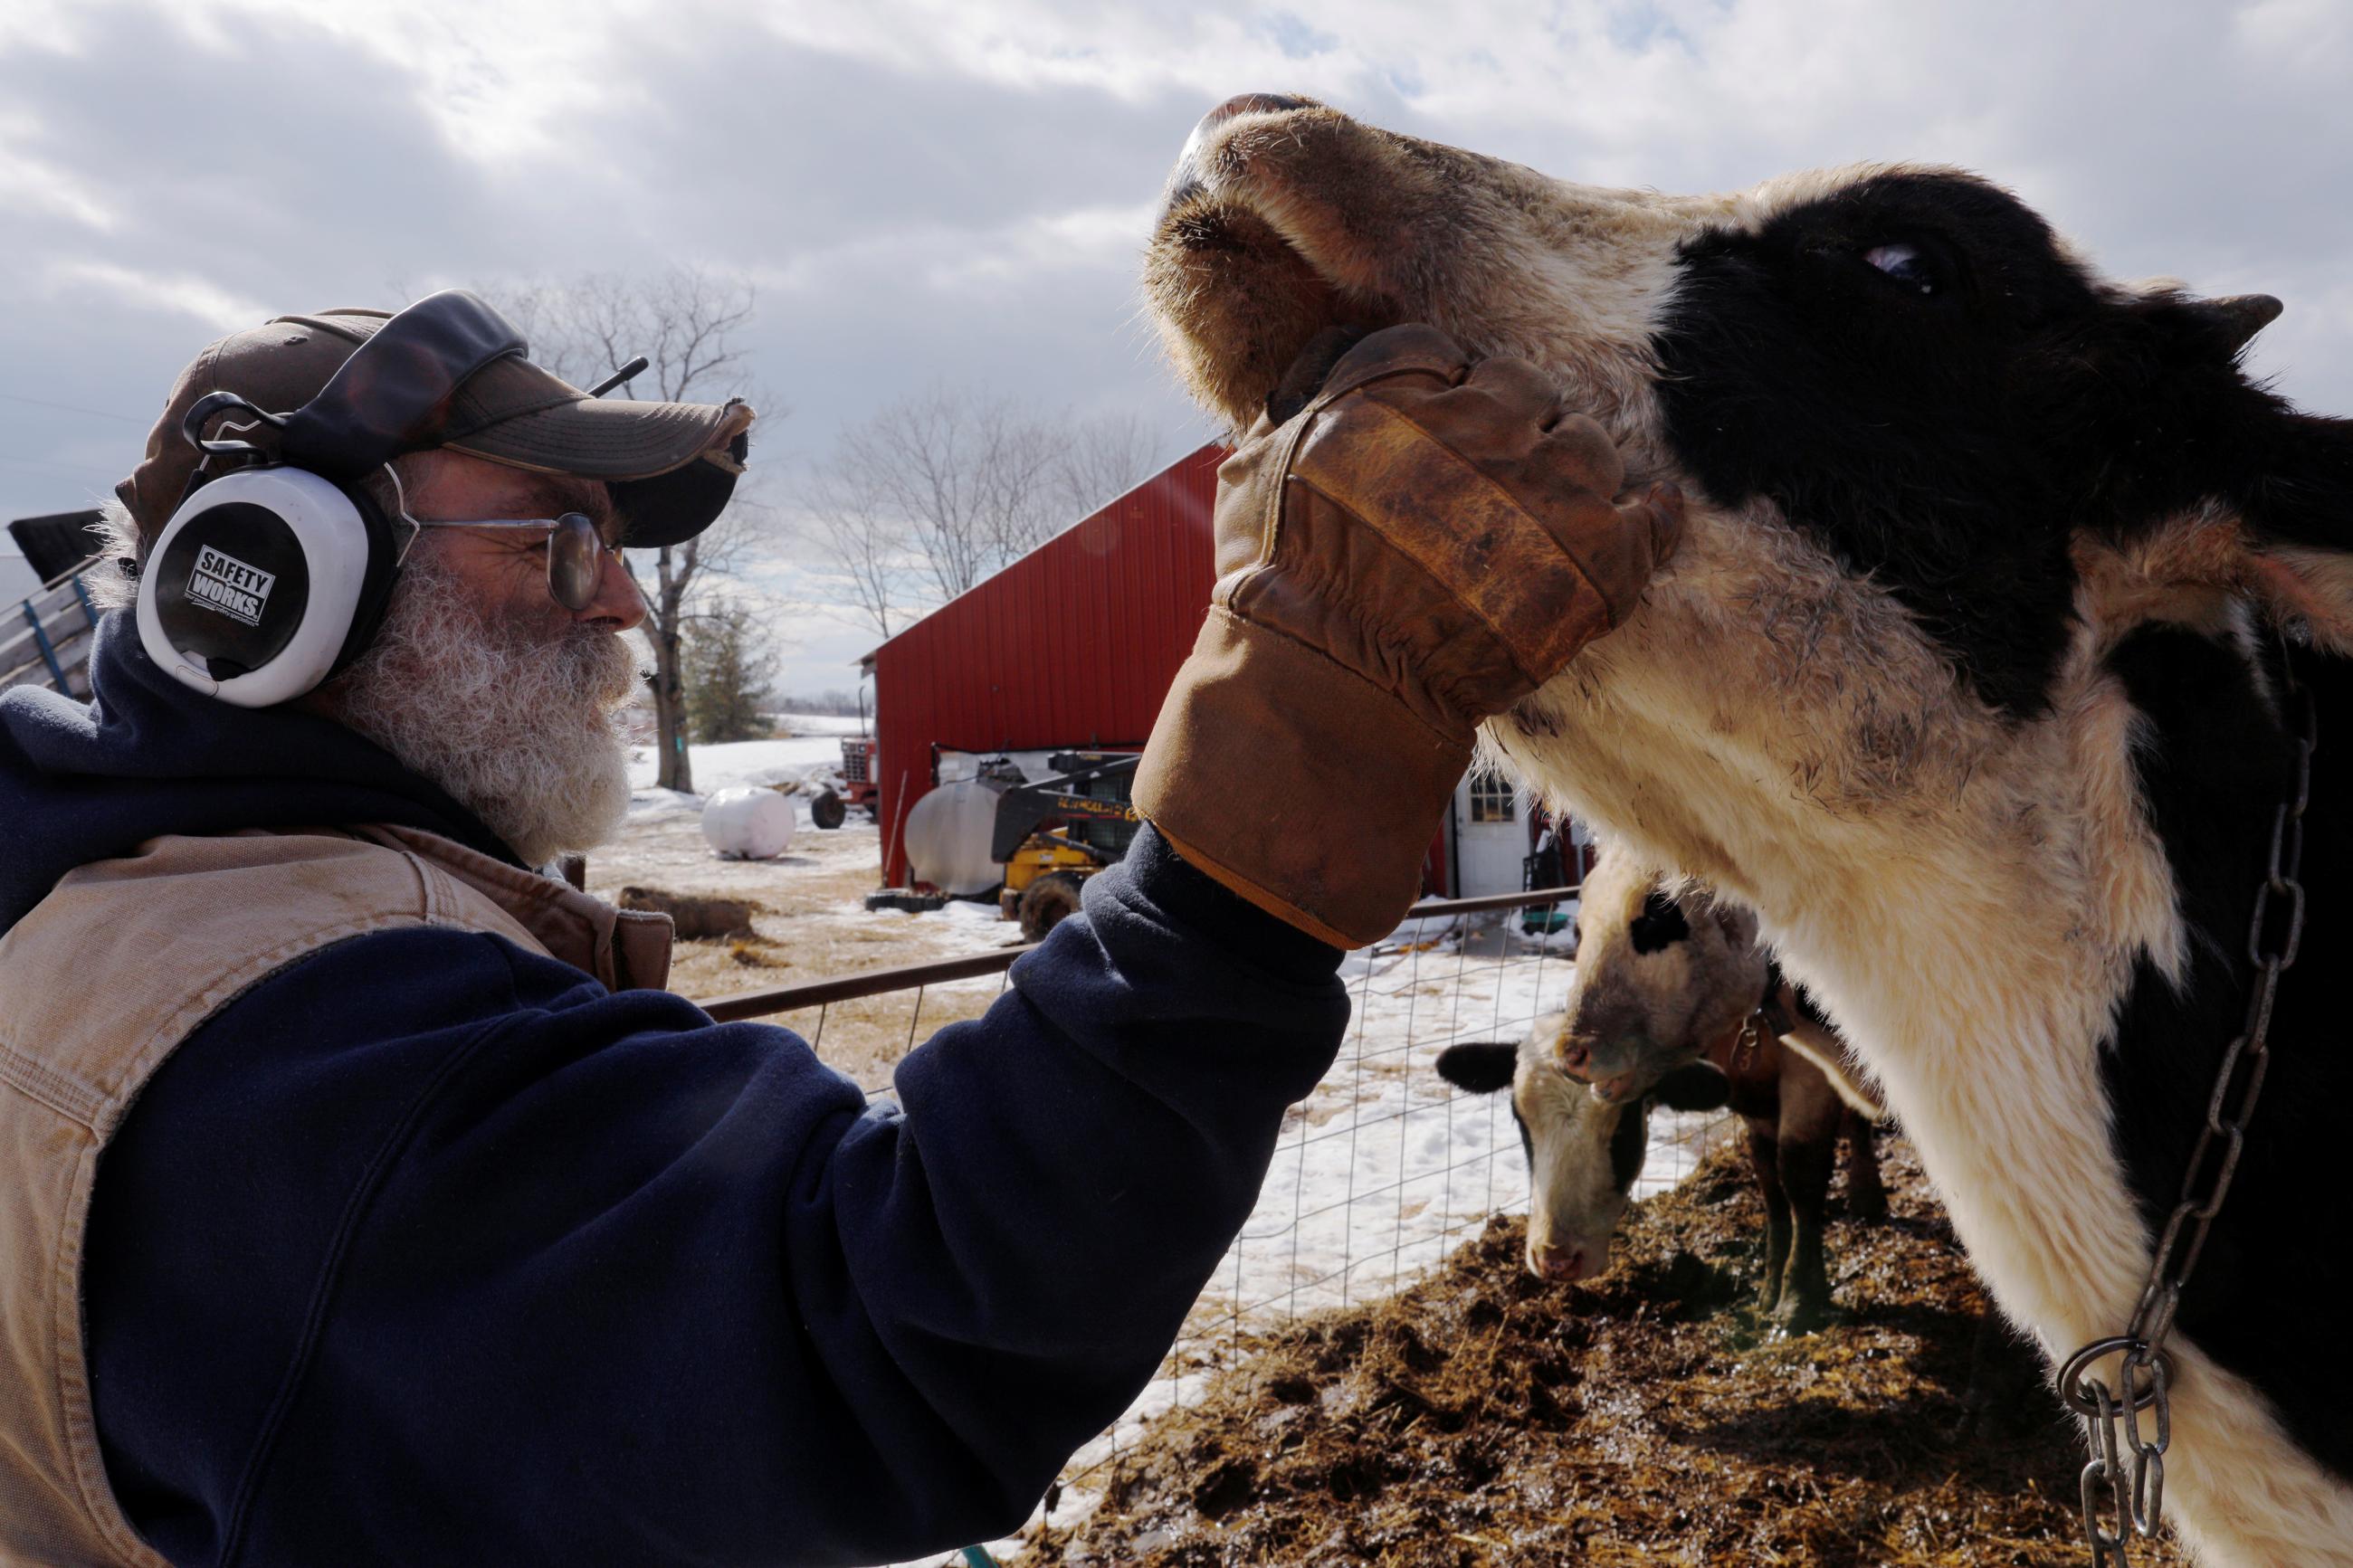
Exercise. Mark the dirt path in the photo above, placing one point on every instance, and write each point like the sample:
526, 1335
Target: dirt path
809, 924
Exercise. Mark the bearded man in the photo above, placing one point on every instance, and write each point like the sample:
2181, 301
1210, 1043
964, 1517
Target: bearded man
368, 1200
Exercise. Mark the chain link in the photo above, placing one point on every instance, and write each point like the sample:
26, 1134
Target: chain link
2275, 937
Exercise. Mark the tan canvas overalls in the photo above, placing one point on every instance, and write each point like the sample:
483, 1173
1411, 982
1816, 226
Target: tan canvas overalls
98, 985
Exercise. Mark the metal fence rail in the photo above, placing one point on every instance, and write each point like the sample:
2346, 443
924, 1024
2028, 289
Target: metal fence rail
1383, 1169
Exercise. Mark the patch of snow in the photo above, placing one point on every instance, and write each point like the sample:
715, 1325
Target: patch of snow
745, 762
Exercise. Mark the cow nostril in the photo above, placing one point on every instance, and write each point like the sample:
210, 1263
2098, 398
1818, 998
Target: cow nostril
1560, 1263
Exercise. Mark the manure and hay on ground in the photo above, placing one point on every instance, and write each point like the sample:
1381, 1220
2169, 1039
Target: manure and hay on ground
1489, 1418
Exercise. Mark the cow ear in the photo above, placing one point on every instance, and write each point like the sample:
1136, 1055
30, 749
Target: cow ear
2298, 517
1482, 1066
2278, 525
1697, 1087
2274, 520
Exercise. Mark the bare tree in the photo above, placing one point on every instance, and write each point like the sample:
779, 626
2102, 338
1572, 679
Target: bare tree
689, 323
963, 472
1100, 459
851, 532
938, 490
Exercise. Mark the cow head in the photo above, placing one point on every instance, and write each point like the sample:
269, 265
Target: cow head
1583, 1153
1583, 1156
1662, 973
1939, 470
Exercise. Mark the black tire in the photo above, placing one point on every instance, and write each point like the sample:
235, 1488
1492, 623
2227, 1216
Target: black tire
1047, 902
827, 810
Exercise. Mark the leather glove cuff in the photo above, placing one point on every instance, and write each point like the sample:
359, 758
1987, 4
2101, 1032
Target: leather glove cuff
1296, 783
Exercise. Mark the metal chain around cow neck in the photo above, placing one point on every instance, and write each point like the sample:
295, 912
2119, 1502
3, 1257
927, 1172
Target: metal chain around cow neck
2114, 1423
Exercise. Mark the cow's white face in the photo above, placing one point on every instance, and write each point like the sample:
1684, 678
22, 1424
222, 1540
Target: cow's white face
1960, 677
1662, 973
1583, 1155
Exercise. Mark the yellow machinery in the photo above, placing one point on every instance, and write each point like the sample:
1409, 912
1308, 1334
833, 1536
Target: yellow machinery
1053, 834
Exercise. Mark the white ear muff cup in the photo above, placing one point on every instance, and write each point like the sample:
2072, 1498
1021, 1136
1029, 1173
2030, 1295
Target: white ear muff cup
252, 592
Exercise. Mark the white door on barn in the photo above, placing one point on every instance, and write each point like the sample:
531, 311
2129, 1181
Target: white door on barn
1491, 834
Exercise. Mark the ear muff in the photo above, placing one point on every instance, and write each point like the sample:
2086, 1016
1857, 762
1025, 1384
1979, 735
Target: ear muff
267, 581
263, 584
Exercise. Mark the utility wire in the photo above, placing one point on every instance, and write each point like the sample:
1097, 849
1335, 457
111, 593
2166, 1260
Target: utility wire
69, 407
56, 468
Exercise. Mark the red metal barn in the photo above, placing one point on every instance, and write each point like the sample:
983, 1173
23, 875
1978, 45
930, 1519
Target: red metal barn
1074, 646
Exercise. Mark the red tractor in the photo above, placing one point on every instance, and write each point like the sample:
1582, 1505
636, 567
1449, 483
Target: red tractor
831, 807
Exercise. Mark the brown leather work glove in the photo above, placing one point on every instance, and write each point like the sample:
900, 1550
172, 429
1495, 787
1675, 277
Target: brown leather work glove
1429, 541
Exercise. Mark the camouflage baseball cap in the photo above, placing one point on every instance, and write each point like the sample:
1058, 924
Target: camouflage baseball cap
672, 466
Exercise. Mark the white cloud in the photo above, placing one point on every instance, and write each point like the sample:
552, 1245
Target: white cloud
945, 189
510, 81
2308, 39
1088, 237
183, 293
31, 183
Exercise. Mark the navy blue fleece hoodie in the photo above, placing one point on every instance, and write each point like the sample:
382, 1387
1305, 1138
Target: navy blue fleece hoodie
430, 1250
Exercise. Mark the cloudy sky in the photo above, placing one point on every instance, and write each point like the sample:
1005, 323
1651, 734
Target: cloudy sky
957, 192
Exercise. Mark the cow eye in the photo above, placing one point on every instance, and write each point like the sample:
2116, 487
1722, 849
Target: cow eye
1906, 265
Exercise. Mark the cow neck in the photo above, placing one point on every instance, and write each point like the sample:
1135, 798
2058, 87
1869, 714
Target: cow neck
2112, 1420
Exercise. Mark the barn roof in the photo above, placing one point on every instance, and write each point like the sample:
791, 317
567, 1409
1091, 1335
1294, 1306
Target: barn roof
1102, 520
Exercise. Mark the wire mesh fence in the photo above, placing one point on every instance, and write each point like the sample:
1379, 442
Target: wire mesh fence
1381, 1172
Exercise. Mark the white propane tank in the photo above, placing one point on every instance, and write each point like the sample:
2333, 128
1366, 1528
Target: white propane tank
747, 823
949, 833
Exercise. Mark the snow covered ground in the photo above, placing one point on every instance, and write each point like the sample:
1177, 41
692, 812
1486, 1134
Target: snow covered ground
812, 754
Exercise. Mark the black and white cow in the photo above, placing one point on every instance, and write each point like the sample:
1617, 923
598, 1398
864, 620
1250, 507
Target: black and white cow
1969, 676
1584, 1152
1668, 982
1668, 976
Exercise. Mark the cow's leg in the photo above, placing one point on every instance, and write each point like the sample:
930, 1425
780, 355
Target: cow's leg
1806, 1165
1811, 1115
1765, 1157
1866, 1196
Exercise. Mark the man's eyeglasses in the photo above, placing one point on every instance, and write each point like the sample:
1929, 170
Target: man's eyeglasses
576, 550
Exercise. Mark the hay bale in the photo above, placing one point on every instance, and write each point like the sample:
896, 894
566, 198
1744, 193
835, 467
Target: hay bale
694, 917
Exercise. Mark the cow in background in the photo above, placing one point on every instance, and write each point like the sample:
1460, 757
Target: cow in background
1668, 974
1980, 675
1671, 988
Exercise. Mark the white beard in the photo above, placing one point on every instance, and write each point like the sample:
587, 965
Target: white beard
518, 729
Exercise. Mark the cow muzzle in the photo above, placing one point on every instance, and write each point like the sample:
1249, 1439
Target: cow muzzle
1282, 217
1559, 1263
1610, 1063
